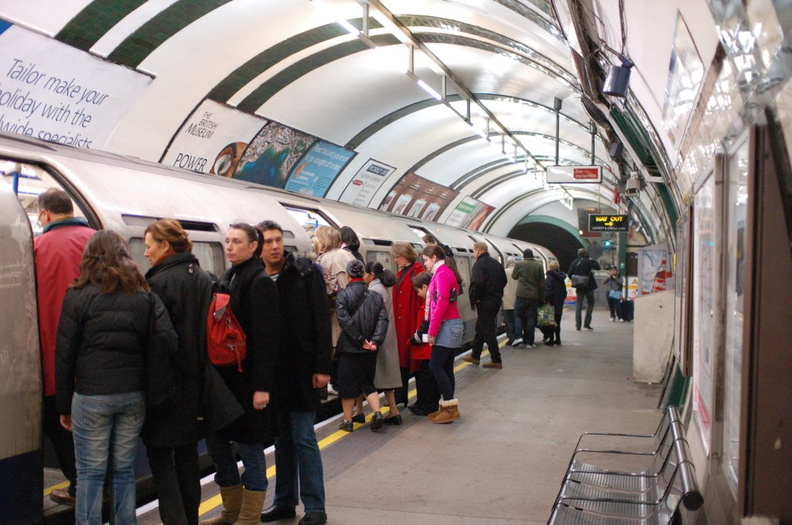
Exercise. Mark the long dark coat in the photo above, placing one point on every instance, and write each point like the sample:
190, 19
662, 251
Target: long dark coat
186, 291
306, 343
555, 290
255, 303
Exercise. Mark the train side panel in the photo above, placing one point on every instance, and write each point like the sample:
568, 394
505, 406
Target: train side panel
21, 471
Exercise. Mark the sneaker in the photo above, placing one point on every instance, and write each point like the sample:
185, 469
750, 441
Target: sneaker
530, 347
376, 422
517, 342
346, 426
621, 320
612, 319
471, 360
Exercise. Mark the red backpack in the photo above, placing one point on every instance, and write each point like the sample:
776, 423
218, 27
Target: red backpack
225, 339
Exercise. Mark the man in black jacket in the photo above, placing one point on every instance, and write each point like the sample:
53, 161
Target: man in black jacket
488, 280
302, 368
583, 266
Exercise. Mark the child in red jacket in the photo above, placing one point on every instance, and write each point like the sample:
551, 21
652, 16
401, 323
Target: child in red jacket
427, 394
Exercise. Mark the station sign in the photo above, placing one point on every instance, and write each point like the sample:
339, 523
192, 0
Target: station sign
574, 174
608, 223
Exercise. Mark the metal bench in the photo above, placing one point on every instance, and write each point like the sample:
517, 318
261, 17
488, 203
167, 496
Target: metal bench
640, 492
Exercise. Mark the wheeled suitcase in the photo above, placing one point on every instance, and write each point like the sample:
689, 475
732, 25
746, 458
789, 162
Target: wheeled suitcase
628, 309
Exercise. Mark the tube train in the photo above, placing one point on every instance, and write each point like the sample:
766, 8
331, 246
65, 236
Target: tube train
126, 195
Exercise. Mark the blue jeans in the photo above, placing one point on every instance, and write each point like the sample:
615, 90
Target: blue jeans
255, 475
588, 295
441, 364
525, 319
105, 430
299, 463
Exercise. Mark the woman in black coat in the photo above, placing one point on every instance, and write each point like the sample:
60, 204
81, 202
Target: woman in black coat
171, 431
254, 302
555, 294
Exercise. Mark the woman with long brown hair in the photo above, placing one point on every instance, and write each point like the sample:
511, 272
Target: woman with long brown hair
100, 371
171, 432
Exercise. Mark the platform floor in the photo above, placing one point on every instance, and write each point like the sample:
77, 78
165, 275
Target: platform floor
503, 461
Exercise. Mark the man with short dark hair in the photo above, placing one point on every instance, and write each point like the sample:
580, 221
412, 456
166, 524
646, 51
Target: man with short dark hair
57, 255
487, 281
584, 266
303, 366
530, 289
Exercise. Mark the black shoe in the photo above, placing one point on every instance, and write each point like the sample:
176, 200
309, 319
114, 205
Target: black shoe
588, 328
550, 343
418, 411
393, 420
346, 426
359, 418
558, 342
314, 518
276, 512
376, 421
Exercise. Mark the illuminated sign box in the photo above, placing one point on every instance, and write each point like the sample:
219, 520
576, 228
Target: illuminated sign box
608, 223
574, 174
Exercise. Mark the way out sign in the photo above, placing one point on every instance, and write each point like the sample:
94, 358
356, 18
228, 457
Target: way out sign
608, 223
574, 174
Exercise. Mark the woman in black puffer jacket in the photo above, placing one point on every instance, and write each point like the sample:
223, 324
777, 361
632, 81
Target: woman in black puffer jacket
364, 324
101, 374
171, 431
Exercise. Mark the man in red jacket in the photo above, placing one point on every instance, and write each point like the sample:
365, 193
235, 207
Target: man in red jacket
57, 254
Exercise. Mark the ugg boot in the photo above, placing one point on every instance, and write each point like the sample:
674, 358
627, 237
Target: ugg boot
232, 502
252, 505
436, 413
450, 412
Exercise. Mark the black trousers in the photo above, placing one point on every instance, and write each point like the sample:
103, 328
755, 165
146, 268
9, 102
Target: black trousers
427, 394
62, 442
486, 333
177, 474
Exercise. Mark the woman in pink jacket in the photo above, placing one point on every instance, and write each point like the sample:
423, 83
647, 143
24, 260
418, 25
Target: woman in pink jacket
445, 330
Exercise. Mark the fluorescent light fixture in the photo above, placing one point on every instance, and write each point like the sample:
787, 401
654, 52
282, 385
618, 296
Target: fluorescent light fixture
426, 87
349, 27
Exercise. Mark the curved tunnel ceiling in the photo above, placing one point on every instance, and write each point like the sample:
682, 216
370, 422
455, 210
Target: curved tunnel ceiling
290, 61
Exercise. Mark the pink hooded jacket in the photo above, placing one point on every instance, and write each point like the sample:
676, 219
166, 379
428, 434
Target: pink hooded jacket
438, 295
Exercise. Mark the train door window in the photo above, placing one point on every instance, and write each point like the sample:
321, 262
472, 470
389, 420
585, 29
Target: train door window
309, 219
382, 257
463, 265
420, 232
210, 255
29, 180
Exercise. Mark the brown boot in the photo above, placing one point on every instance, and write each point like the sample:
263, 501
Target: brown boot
252, 504
232, 502
450, 412
435, 413
470, 359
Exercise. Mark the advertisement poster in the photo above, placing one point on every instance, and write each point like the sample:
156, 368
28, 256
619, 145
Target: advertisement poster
470, 213
271, 155
653, 270
417, 197
212, 139
54, 92
366, 182
315, 172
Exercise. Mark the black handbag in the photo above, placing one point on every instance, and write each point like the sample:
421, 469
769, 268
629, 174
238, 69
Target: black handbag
580, 281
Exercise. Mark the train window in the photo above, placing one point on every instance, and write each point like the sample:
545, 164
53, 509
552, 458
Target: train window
210, 255
377, 242
29, 180
383, 258
420, 232
309, 219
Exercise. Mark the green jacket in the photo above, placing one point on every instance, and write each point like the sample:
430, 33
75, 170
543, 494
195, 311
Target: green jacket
530, 279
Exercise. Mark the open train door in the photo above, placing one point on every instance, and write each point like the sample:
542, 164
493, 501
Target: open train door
21, 471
